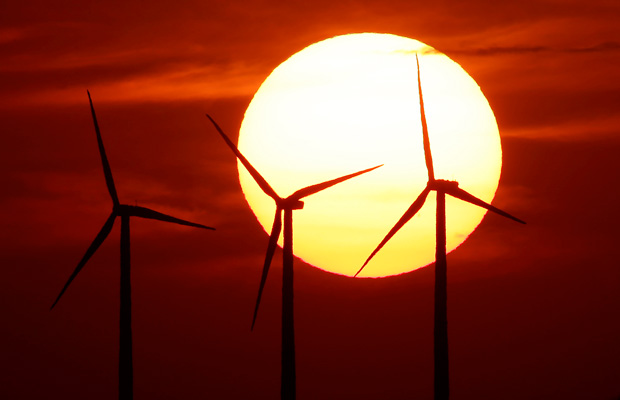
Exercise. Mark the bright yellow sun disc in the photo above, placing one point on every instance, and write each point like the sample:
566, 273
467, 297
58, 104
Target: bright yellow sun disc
349, 103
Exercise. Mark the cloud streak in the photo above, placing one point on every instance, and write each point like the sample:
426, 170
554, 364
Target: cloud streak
517, 50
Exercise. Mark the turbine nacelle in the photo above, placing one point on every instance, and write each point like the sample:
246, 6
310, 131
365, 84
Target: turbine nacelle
442, 185
291, 204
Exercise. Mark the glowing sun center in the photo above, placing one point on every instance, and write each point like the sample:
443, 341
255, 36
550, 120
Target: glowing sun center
349, 103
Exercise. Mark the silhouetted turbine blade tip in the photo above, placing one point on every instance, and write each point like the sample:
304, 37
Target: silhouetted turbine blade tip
147, 213
366, 262
463, 195
271, 248
107, 171
262, 183
312, 189
411, 211
425, 136
99, 239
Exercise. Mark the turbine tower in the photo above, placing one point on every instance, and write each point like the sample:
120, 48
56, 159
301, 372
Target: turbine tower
441, 187
286, 206
124, 211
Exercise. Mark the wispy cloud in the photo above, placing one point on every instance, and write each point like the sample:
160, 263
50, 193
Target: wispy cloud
8, 35
176, 82
519, 49
603, 127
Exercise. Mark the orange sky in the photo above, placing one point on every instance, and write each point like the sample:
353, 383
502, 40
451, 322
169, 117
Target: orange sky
533, 310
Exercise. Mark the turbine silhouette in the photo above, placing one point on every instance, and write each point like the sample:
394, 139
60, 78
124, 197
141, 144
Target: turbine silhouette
441, 187
125, 366
286, 206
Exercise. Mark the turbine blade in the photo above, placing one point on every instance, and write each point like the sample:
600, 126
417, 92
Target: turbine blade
147, 213
425, 138
415, 207
257, 177
463, 195
104, 159
271, 248
101, 236
307, 191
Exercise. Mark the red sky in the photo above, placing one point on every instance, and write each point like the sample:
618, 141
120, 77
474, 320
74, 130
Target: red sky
533, 311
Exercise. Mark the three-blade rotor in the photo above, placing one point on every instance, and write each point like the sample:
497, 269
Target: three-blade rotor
291, 202
118, 210
448, 187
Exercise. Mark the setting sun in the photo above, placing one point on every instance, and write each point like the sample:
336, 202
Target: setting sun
350, 103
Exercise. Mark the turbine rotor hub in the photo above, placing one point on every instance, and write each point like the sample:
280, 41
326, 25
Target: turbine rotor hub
443, 185
292, 204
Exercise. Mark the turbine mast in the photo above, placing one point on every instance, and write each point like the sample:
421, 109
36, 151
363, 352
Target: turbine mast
441, 375
288, 383
125, 358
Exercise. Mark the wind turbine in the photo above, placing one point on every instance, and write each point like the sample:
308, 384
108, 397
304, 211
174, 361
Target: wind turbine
286, 206
124, 211
441, 187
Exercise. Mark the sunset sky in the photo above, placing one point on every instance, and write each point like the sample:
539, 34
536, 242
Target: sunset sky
533, 310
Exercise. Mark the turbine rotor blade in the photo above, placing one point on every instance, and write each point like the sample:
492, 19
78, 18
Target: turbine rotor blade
425, 138
309, 190
411, 211
463, 195
107, 171
101, 236
271, 248
257, 177
147, 213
